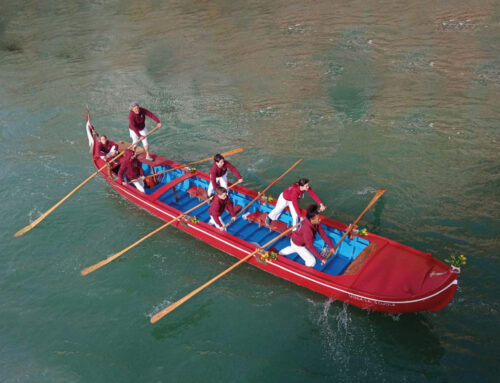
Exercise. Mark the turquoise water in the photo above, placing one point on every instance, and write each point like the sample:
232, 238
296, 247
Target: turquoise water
401, 95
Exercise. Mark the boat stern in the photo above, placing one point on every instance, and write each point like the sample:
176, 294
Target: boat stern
401, 279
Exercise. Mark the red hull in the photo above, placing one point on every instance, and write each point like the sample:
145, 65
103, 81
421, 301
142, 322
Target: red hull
386, 282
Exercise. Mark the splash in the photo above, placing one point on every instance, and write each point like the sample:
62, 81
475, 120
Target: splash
157, 308
343, 319
366, 190
34, 214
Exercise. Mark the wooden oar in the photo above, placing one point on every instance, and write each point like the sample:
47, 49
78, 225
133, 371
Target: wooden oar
234, 151
263, 191
44, 215
173, 306
372, 202
104, 262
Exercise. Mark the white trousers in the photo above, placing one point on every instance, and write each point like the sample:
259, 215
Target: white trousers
138, 184
306, 255
136, 138
222, 181
280, 206
216, 224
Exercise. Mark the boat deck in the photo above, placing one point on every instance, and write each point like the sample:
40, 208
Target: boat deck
244, 228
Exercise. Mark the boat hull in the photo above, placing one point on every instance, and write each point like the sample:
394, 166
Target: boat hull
346, 288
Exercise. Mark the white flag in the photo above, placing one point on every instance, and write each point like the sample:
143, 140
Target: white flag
90, 132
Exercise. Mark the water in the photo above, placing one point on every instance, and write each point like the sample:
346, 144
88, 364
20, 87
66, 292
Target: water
402, 95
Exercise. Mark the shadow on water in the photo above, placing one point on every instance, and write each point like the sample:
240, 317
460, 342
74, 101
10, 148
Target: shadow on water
377, 213
167, 327
410, 335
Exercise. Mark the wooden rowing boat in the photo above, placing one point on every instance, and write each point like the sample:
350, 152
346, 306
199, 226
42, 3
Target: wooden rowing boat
370, 272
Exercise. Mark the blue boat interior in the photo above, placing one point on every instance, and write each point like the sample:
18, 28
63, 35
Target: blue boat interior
248, 230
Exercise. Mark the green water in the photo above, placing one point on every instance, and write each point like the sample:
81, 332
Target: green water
401, 95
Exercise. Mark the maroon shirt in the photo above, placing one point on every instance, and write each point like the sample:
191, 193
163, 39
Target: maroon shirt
293, 193
218, 206
104, 149
305, 237
216, 172
137, 122
130, 167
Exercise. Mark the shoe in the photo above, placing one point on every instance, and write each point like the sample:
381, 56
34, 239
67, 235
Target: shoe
149, 158
268, 221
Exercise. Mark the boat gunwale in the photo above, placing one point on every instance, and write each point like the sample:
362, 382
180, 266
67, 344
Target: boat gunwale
283, 262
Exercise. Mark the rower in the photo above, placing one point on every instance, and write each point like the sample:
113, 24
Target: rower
289, 198
106, 149
131, 169
218, 173
220, 203
302, 241
137, 126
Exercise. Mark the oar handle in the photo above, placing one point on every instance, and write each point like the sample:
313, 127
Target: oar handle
155, 318
349, 229
263, 191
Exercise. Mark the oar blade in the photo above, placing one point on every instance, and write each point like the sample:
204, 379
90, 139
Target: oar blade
91, 269
167, 310
234, 151
155, 318
27, 228
24, 230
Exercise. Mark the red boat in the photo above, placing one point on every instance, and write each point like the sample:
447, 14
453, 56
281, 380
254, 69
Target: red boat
370, 272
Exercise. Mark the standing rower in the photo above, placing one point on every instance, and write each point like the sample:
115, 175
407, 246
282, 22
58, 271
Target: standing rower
218, 173
131, 168
137, 125
302, 241
289, 198
220, 203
